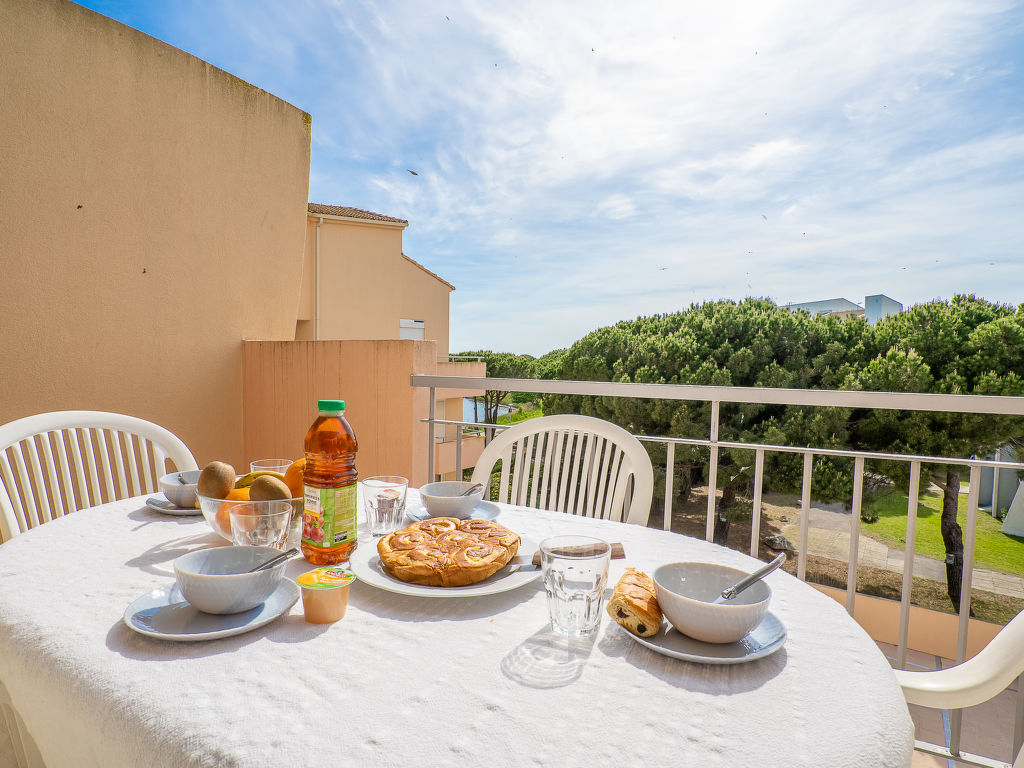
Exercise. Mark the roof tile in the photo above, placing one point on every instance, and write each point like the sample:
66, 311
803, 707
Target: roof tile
352, 213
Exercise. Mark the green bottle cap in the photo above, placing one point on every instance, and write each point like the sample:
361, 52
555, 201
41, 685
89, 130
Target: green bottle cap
331, 405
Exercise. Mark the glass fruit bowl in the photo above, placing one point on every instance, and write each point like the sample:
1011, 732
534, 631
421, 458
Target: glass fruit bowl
217, 514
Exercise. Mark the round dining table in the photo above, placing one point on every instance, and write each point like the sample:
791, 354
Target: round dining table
413, 679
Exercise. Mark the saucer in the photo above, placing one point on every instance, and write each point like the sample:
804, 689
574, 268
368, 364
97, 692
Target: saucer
163, 613
162, 505
766, 638
484, 510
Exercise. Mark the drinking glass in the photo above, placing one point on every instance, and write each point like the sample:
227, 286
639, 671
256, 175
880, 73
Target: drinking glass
384, 497
575, 569
270, 465
260, 523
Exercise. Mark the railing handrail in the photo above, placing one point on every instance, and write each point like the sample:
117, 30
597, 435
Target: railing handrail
833, 452
835, 398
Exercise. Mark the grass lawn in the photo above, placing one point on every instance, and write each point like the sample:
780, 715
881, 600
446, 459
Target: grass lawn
994, 550
522, 414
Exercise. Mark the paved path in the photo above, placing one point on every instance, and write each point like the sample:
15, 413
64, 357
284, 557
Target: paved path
829, 536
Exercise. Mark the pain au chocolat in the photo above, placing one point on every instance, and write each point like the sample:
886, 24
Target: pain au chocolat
634, 604
446, 552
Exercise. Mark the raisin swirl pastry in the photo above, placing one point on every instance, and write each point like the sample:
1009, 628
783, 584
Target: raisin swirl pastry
445, 552
634, 604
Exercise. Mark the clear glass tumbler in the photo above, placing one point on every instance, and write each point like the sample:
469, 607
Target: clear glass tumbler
384, 497
575, 569
271, 465
260, 523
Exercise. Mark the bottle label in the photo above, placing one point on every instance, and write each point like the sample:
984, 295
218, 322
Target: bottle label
329, 517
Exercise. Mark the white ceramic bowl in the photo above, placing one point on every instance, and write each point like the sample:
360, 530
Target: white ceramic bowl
215, 580
445, 499
686, 592
180, 494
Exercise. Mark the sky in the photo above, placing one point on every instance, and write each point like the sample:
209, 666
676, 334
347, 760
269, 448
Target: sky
581, 163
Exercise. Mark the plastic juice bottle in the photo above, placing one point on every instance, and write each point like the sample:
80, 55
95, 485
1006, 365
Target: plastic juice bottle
329, 487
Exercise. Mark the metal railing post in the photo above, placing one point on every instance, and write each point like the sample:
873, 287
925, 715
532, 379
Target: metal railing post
670, 476
855, 510
458, 453
908, 564
430, 437
755, 511
805, 516
712, 473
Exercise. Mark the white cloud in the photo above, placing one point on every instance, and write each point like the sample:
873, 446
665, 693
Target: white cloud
599, 161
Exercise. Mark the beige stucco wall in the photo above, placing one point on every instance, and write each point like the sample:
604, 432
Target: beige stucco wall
367, 285
152, 213
284, 380
928, 631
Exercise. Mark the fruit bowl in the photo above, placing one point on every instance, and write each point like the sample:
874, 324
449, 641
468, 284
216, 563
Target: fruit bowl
217, 514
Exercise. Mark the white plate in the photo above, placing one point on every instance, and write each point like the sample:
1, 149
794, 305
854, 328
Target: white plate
766, 638
366, 565
484, 510
164, 613
162, 505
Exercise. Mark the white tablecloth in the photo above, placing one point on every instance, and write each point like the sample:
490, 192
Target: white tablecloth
416, 681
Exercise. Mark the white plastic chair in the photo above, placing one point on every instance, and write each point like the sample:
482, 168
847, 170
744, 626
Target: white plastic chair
55, 463
976, 680
575, 464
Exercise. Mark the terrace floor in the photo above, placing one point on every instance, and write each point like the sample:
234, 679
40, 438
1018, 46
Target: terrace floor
987, 728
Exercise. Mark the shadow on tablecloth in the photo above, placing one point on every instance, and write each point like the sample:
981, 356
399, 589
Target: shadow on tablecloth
714, 679
547, 660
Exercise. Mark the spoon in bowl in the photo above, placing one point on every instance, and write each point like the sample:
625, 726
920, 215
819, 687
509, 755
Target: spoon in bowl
472, 489
730, 592
275, 560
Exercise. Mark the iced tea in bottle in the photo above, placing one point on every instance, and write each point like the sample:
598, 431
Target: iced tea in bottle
329, 485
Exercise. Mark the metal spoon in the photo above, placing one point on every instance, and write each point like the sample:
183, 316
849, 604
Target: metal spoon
275, 560
472, 489
730, 592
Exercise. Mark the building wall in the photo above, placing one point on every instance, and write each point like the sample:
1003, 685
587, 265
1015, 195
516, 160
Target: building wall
878, 306
367, 285
284, 380
152, 213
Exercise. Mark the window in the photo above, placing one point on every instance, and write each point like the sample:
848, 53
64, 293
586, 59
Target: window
411, 329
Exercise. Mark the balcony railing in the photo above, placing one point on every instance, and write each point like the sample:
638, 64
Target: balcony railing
715, 396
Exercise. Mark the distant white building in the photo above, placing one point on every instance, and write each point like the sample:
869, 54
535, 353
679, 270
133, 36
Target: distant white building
878, 306
875, 308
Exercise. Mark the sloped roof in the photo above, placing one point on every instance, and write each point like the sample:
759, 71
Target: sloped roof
319, 209
825, 305
432, 274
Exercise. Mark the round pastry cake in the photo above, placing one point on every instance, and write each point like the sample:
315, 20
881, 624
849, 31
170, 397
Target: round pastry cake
446, 552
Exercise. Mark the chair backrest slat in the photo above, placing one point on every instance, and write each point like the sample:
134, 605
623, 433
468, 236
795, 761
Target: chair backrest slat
51, 470
44, 509
24, 481
11, 488
70, 501
105, 472
133, 466
600, 505
117, 460
544, 499
147, 465
91, 467
574, 464
567, 439
55, 463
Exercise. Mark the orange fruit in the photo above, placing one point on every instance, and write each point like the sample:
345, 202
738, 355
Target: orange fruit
223, 516
293, 477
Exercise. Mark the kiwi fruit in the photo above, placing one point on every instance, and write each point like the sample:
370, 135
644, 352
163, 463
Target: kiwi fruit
268, 488
216, 480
